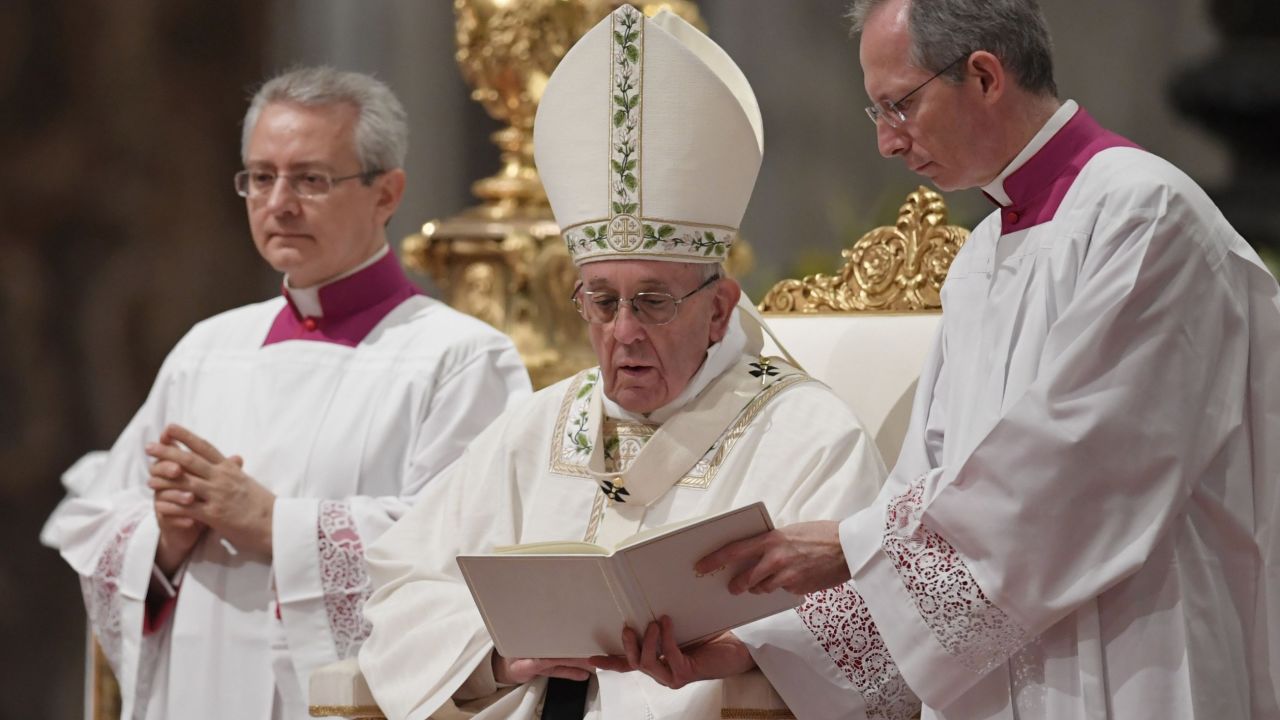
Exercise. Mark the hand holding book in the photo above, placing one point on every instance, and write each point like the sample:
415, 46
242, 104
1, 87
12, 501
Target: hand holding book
657, 655
571, 600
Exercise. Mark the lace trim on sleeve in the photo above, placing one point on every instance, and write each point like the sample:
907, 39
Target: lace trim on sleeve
968, 625
344, 577
842, 625
101, 593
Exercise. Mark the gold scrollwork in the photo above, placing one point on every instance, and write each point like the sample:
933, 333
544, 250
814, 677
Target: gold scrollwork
890, 269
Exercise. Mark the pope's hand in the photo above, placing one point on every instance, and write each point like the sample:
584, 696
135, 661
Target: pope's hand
800, 558
518, 671
223, 497
658, 656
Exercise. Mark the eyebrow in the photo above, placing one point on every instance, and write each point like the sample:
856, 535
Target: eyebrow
291, 167
647, 285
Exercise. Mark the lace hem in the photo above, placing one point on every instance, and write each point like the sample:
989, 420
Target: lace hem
841, 623
101, 593
344, 578
968, 625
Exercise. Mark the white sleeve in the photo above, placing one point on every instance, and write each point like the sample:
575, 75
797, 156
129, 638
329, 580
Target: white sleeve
318, 545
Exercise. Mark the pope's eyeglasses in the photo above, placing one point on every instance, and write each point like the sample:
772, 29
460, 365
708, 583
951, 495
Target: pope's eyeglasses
650, 308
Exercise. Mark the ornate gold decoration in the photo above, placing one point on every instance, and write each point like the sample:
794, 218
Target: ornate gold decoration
104, 688
504, 261
890, 269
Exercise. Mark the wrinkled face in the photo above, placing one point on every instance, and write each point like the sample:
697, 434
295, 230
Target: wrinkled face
647, 366
315, 239
942, 138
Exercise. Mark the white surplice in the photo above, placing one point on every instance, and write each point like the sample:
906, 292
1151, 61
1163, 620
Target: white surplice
346, 436
795, 446
1082, 523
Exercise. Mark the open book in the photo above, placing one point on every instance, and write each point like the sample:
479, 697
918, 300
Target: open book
572, 599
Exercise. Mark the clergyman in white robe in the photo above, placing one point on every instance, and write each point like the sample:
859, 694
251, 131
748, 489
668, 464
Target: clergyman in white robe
345, 401
527, 479
1083, 520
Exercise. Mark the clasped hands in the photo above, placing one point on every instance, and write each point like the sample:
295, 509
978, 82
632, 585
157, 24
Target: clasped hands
800, 558
197, 487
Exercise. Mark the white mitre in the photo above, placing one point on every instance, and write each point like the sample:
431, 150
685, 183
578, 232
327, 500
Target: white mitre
648, 140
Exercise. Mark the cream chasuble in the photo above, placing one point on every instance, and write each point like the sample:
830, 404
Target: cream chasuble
548, 469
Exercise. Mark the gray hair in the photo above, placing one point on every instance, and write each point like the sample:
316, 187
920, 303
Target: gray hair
1014, 31
382, 128
706, 271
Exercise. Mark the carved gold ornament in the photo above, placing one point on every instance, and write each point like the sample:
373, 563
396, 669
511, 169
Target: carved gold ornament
890, 269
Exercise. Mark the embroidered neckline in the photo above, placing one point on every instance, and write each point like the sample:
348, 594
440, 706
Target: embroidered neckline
572, 441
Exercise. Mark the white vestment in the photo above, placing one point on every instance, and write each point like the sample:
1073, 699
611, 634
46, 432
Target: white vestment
795, 446
346, 436
1082, 523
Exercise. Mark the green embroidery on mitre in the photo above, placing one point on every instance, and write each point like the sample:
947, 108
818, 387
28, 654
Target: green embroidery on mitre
622, 232
650, 179
687, 242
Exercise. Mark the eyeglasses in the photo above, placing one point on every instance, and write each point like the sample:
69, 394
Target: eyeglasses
892, 112
650, 308
309, 184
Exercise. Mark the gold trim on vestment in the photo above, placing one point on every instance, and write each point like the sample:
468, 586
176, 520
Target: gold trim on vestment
357, 712
558, 462
597, 514
705, 471
702, 474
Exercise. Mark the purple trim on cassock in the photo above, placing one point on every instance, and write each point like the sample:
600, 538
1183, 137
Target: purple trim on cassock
1038, 187
353, 306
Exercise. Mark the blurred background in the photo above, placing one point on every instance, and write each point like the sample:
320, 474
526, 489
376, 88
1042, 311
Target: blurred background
119, 227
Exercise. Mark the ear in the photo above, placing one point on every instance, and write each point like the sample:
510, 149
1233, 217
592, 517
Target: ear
390, 188
988, 72
723, 302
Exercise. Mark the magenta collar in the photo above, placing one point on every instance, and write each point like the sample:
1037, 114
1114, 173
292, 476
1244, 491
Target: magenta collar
353, 306
1037, 188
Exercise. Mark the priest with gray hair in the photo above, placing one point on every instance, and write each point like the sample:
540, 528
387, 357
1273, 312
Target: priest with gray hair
220, 542
648, 139
1083, 519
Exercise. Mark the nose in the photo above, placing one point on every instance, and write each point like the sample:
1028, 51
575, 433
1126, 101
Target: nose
626, 328
891, 141
282, 198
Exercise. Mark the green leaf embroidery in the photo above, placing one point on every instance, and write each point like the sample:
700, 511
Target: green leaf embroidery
619, 118
633, 53
666, 231
589, 231
648, 244
630, 181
